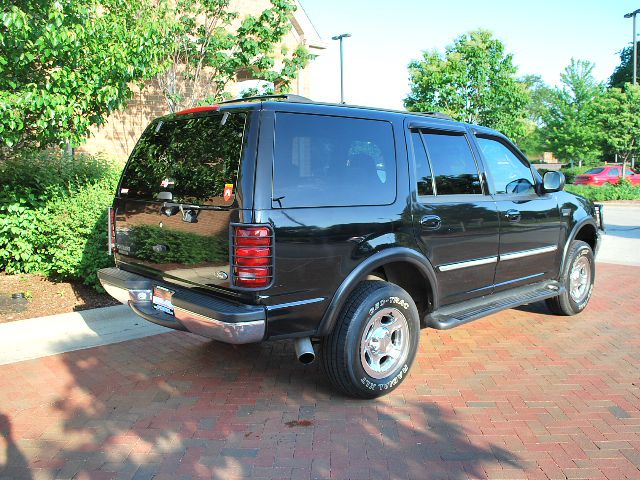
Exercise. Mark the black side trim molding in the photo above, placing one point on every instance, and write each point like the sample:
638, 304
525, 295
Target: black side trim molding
572, 236
395, 254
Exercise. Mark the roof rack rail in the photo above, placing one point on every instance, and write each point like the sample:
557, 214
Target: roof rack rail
441, 115
285, 96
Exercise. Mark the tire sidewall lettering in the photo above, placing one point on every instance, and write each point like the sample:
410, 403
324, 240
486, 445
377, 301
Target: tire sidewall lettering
391, 300
396, 377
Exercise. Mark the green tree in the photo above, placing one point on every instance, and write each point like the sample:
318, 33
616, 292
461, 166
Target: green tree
619, 116
540, 95
212, 46
623, 73
571, 129
532, 142
474, 81
65, 65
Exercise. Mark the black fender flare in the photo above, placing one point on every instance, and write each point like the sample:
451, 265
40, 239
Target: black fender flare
572, 236
358, 274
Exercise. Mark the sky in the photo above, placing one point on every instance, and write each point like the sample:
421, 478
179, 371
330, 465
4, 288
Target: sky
542, 35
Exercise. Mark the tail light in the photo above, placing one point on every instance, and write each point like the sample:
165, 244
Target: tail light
111, 230
252, 256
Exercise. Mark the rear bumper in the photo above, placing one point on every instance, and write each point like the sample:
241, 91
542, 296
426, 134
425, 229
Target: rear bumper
201, 314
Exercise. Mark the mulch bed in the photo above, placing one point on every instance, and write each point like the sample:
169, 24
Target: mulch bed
41, 297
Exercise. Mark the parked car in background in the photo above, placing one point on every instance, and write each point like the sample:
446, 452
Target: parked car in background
608, 174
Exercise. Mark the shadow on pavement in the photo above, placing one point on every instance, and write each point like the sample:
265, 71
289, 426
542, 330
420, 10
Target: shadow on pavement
623, 231
15, 464
176, 405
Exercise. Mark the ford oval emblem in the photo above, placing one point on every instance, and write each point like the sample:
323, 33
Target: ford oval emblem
222, 275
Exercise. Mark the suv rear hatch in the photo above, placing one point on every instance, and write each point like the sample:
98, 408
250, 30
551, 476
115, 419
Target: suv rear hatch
179, 194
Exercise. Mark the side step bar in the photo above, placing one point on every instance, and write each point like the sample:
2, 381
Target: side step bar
460, 313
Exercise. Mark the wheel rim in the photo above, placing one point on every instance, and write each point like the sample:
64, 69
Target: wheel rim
580, 279
385, 343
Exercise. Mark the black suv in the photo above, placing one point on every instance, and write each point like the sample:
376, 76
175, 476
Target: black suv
280, 218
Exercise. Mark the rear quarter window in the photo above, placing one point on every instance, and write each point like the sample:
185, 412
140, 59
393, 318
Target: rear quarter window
322, 161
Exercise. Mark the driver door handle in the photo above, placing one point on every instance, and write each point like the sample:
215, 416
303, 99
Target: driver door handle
430, 222
513, 215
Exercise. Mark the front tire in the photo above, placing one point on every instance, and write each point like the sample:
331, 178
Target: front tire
577, 278
374, 341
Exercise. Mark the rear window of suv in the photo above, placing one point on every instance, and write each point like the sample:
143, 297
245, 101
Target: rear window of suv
323, 161
194, 159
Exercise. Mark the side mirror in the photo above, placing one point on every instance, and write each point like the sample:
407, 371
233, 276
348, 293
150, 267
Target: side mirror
553, 182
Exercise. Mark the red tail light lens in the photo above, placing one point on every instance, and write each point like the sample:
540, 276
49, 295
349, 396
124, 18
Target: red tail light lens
253, 236
252, 256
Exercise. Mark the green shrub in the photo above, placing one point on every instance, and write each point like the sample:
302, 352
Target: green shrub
623, 190
53, 215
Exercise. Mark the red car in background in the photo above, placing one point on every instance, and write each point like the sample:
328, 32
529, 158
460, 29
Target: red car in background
607, 174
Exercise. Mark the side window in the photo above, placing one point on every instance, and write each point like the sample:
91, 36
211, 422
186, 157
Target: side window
322, 161
423, 170
614, 172
453, 164
628, 172
510, 174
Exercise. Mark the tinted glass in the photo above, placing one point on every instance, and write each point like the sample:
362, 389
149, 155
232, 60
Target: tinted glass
594, 171
192, 159
628, 172
453, 165
423, 170
614, 171
333, 161
510, 174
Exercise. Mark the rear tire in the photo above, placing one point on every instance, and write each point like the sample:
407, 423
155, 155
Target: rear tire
374, 341
577, 278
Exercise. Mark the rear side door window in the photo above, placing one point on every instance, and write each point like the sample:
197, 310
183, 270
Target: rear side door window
510, 174
323, 161
451, 163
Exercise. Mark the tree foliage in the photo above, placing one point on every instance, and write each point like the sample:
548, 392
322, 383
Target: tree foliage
619, 116
474, 81
65, 65
623, 73
571, 129
212, 45
539, 97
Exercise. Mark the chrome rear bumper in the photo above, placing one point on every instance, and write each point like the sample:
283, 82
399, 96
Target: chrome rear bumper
209, 317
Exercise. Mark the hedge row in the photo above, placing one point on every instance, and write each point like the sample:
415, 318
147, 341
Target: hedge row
53, 215
620, 191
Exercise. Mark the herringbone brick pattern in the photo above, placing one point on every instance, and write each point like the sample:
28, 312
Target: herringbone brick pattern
522, 394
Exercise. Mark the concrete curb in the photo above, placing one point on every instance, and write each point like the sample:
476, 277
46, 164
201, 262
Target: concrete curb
39, 337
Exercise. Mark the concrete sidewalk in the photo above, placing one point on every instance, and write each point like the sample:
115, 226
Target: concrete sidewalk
66, 332
621, 242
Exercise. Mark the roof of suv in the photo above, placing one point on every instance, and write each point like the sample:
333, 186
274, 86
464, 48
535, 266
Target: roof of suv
300, 103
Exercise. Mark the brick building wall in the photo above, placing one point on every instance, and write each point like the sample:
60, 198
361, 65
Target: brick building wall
120, 133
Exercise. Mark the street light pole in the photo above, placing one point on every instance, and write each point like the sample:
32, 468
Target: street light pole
340, 37
635, 45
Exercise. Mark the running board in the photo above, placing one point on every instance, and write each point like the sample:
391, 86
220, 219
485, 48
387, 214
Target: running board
460, 313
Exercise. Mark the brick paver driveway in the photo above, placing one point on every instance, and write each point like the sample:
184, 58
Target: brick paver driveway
522, 394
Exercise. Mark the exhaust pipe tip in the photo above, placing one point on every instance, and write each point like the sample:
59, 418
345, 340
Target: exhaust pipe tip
304, 350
